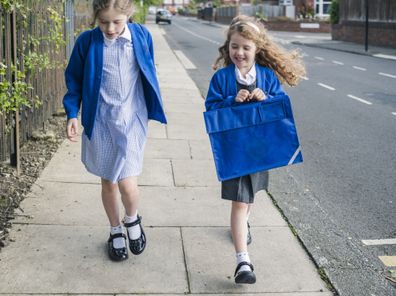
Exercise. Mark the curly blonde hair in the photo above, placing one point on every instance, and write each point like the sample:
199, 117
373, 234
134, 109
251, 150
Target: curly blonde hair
287, 65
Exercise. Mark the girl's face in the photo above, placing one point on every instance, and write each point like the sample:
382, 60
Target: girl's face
112, 22
242, 52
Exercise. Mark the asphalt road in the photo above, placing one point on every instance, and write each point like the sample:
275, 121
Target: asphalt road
344, 192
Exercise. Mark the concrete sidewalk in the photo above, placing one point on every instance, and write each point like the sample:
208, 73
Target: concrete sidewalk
59, 240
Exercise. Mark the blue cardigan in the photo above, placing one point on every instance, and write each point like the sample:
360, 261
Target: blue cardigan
84, 73
223, 90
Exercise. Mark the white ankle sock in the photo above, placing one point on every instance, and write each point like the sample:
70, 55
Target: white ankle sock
118, 242
243, 257
134, 231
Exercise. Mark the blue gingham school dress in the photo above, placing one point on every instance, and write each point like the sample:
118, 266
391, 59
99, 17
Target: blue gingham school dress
116, 148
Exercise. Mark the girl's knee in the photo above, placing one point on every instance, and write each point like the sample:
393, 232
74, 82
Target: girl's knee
129, 190
108, 187
239, 206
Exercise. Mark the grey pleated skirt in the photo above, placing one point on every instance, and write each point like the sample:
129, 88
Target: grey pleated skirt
243, 189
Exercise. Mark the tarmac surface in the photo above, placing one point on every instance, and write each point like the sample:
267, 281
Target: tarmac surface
59, 240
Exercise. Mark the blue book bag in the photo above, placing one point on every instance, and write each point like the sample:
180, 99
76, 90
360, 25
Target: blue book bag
252, 137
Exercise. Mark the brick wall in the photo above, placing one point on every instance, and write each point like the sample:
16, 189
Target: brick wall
380, 33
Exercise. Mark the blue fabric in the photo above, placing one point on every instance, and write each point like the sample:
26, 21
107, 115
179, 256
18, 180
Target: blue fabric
84, 73
250, 137
223, 90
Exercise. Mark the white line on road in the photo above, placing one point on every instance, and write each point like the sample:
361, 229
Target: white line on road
305, 78
387, 75
326, 86
199, 36
338, 63
184, 60
359, 68
360, 100
385, 56
394, 113
319, 58
378, 242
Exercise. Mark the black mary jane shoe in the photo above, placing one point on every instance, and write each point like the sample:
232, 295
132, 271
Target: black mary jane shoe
136, 245
116, 254
249, 236
244, 277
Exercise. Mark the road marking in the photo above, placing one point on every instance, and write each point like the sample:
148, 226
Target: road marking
305, 78
184, 60
359, 68
326, 86
338, 63
319, 58
162, 31
388, 260
360, 100
378, 242
387, 75
394, 113
196, 35
385, 56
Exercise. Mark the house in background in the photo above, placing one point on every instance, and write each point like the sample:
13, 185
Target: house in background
352, 22
319, 8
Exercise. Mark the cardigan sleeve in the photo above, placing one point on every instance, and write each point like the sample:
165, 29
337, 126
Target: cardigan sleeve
149, 40
275, 87
74, 75
216, 97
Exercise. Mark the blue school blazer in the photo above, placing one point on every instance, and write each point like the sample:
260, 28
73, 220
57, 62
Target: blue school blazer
84, 73
223, 90
254, 136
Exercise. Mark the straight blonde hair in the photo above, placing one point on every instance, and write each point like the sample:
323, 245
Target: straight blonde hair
123, 6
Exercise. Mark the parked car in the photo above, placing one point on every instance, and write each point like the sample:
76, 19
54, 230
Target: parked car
163, 15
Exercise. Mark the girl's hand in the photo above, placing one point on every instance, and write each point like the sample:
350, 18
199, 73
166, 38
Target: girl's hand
257, 95
72, 129
243, 95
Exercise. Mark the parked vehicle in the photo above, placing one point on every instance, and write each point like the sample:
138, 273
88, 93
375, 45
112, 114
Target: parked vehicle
163, 15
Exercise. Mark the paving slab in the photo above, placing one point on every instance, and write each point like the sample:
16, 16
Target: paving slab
174, 94
200, 206
167, 149
186, 126
184, 107
200, 149
233, 294
60, 203
157, 172
156, 130
194, 173
64, 259
63, 204
280, 263
66, 165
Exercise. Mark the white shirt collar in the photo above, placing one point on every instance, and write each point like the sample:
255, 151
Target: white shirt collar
250, 76
125, 35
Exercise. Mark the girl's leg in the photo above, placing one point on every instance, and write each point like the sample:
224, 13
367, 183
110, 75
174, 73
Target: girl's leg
239, 226
130, 198
117, 245
244, 272
110, 202
129, 195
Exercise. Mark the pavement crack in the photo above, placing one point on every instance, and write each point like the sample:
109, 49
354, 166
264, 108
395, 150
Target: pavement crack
185, 261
